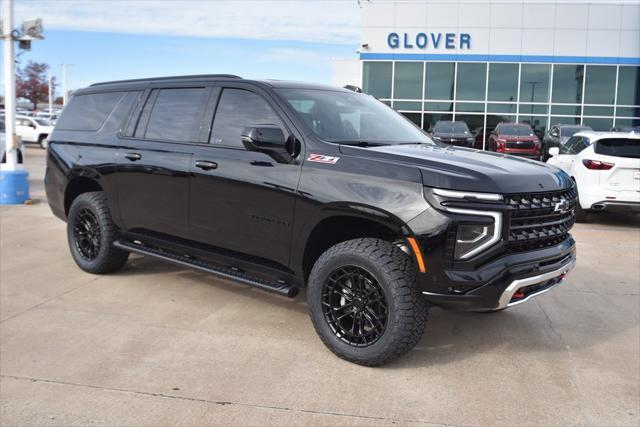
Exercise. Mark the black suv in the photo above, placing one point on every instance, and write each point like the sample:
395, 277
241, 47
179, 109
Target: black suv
283, 185
453, 133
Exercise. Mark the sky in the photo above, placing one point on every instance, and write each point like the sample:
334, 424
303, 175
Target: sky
121, 39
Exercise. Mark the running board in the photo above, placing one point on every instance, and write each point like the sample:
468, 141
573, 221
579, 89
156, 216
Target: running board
276, 287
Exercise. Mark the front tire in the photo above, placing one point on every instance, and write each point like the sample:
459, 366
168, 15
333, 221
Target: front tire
91, 232
363, 301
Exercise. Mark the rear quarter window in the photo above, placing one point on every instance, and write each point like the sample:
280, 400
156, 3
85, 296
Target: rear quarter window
88, 112
618, 147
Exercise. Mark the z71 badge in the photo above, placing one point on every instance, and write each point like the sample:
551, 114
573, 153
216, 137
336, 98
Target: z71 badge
319, 158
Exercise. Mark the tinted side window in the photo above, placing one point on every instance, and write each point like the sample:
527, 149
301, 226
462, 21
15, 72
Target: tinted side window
88, 112
176, 114
619, 147
576, 144
119, 113
238, 109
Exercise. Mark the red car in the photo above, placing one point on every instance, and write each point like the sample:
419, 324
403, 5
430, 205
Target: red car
517, 139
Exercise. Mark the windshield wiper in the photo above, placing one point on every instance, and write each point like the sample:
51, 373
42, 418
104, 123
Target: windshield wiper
361, 143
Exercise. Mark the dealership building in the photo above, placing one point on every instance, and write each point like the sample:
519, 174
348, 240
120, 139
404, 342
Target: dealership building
485, 62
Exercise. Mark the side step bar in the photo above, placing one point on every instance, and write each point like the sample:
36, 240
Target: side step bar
276, 287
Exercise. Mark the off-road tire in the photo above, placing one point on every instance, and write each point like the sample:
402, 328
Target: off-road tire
108, 258
395, 273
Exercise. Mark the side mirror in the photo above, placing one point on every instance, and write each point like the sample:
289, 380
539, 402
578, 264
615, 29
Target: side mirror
554, 151
266, 139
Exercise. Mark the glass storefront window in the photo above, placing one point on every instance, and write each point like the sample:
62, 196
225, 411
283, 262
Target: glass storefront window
376, 79
628, 111
569, 110
501, 108
430, 119
620, 123
408, 80
537, 123
597, 111
567, 83
628, 85
533, 109
600, 86
534, 82
439, 80
598, 124
494, 119
470, 107
503, 82
438, 106
565, 120
471, 81
407, 105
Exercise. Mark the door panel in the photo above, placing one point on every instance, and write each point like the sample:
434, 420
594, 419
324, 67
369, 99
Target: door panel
154, 189
245, 204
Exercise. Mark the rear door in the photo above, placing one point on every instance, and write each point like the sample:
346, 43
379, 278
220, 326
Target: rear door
155, 159
245, 201
624, 177
26, 129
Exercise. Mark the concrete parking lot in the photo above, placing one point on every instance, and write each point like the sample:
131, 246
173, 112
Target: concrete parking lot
156, 345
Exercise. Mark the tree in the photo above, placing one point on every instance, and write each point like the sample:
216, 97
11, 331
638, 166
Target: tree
32, 83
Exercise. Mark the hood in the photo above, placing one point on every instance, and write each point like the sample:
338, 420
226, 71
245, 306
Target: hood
518, 138
457, 168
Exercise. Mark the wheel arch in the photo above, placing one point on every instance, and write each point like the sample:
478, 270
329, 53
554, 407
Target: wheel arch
341, 222
79, 185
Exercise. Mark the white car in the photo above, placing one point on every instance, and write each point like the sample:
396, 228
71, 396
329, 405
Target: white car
606, 169
33, 129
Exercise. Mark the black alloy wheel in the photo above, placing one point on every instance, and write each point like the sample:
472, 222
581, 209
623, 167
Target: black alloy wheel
354, 306
87, 235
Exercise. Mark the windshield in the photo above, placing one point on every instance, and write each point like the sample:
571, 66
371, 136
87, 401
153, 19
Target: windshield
571, 130
351, 118
451, 127
43, 122
516, 130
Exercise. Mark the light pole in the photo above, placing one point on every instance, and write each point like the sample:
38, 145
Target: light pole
50, 94
64, 83
14, 179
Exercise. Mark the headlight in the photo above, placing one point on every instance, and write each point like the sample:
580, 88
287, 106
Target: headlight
470, 239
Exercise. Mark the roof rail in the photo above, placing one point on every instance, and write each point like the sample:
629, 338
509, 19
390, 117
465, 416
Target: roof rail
154, 79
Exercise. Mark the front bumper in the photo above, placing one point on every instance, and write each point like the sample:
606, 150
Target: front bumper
506, 281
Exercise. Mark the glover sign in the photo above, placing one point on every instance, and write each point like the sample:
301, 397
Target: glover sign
429, 40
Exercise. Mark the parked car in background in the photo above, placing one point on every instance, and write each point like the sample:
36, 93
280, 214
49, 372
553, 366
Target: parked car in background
33, 129
558, 135
453, 133
517, 139
3, 145
606, 169
52, 117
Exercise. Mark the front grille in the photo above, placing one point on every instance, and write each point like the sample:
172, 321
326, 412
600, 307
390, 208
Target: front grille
535, 222
522, 145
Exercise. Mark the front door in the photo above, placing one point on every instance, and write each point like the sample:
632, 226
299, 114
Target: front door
243, 200
154, 162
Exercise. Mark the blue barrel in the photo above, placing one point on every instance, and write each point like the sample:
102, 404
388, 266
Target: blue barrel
14, 187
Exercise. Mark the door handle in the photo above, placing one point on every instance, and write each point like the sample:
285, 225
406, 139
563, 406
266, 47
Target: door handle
206, 165
133, 156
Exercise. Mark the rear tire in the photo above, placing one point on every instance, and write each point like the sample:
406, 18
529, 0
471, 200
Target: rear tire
42, 142
363, 301
91, 232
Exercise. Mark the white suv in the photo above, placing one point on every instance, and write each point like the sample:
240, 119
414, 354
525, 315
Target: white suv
606, 169
34, 129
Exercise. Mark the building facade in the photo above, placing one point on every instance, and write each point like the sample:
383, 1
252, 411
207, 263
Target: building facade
485, 62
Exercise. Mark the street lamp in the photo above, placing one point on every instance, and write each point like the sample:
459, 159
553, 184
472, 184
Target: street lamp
14, 179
